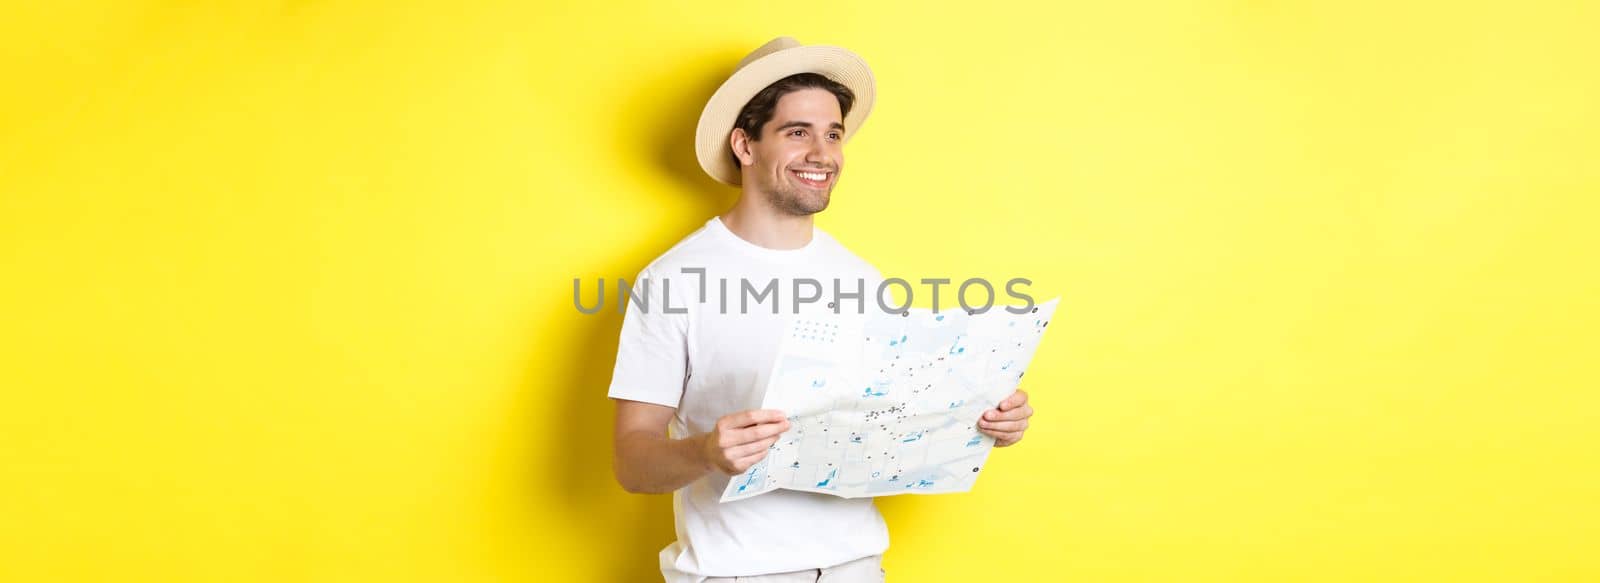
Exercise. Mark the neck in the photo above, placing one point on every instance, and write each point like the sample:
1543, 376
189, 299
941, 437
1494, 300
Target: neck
756, 221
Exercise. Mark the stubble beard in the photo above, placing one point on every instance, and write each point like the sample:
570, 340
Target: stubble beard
798, 202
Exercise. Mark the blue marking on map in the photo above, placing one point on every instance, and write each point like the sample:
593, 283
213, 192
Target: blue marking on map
749, 478
957, 403
975, 441
920, 484
818, 383
869, 393
831, 474
914, 437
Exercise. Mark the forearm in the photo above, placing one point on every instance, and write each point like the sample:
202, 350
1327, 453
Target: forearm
652, 463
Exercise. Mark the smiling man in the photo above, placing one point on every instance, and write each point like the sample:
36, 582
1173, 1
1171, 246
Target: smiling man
689, 375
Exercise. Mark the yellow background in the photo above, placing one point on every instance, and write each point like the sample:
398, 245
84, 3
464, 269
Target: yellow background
285, 287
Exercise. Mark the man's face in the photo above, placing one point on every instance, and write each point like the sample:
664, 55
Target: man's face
797, 160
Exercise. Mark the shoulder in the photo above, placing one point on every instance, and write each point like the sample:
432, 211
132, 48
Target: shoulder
693, 250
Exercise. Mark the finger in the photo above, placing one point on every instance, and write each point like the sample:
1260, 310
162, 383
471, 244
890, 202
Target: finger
744, 463
1018, 425
754, 433
750, 449
1019, 413
1017, 399
752, 417
998, 434
1004, 438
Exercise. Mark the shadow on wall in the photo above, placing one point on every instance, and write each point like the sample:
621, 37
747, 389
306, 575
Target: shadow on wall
640, 525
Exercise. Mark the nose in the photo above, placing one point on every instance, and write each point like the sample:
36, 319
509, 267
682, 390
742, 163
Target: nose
818, 152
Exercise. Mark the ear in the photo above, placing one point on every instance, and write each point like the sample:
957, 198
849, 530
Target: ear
740, 142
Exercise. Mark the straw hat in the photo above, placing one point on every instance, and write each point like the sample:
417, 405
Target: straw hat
782, 57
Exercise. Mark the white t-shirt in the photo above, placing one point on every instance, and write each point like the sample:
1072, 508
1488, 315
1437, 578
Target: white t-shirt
711, 361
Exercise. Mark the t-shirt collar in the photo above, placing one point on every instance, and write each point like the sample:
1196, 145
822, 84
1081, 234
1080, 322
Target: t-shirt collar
716, 225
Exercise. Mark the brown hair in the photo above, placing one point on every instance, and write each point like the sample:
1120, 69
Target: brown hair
760, 109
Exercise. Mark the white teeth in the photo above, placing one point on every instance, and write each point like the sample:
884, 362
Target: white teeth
819, 177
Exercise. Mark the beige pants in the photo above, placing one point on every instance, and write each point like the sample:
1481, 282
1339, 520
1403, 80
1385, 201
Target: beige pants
862, 570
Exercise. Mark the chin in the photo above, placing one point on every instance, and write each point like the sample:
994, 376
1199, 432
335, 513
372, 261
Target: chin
812, 205
800, 203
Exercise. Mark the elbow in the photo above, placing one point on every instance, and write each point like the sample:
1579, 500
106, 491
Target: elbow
629, 482
634, 484
634, 487
630, 486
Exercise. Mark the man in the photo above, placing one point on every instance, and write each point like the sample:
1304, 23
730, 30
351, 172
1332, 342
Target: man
691, 364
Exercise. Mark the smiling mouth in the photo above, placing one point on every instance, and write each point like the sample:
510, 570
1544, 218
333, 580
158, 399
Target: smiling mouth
813, 179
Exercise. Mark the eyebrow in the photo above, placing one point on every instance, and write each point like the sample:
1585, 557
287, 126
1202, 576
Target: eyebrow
807, 125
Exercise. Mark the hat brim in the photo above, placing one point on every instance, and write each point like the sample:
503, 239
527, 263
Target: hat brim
716, 121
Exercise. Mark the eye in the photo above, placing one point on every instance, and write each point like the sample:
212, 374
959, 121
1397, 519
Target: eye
797, 132
834, 135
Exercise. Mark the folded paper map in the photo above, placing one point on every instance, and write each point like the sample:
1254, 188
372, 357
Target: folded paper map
888, 403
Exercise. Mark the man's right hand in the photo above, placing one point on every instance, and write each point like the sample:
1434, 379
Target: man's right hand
741, 439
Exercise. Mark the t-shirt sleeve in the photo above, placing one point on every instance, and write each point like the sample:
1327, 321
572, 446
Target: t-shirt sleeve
652, 351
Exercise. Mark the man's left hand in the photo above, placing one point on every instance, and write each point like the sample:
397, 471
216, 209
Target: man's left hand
1006, 422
